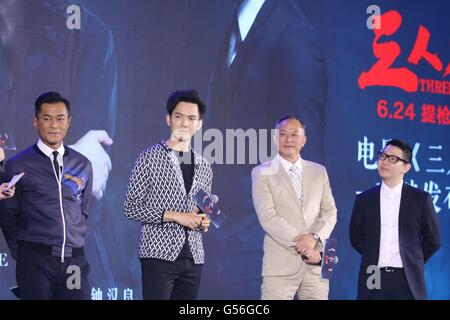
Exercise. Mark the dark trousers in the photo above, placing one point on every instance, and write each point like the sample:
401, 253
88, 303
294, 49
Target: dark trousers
394, 286
41, 276
167, 280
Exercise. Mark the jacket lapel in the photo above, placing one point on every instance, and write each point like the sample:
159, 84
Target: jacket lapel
306, 187
175, 166
376, 216
197, 163
403, 213
250, 43
285, 180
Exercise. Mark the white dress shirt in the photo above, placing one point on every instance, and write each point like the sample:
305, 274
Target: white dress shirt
247, 14
287, 166
49, 153
389, 215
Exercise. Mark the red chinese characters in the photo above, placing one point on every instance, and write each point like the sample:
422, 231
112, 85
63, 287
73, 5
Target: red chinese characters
382, 73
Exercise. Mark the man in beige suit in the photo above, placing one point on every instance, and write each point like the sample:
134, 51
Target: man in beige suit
296, 209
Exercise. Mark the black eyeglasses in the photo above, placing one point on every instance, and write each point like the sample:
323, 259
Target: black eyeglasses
392, 159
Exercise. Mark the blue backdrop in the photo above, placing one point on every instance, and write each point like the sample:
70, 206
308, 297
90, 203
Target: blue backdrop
120, 66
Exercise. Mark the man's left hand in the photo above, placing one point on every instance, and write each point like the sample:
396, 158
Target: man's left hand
313, 256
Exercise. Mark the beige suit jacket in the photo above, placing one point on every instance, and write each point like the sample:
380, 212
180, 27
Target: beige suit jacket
282, 216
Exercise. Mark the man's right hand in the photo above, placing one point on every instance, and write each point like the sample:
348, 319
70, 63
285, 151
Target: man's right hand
2, 154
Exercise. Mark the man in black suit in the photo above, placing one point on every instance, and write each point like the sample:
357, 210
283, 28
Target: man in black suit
269, 64
395, 228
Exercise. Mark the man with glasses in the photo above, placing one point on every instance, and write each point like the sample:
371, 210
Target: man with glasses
395, 228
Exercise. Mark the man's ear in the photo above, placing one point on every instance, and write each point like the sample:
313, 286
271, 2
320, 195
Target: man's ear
34, 120
275, 138
304, 141
168, 119
407, 167
199, 125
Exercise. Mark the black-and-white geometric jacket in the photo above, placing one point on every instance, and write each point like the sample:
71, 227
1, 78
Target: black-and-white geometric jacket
156, 184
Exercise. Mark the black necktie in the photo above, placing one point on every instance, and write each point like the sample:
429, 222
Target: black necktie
56, 163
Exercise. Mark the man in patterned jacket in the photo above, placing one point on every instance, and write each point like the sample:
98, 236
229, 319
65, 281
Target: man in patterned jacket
160, 193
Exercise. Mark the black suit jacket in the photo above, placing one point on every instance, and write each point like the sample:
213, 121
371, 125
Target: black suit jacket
279, 70
419, 235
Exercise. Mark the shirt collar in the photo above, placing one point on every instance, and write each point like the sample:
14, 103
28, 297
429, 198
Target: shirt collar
248, 11
288, 165
49, 151
392, 191
197, 156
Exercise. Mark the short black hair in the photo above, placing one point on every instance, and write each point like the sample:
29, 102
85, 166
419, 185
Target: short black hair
190, 96
50, 97
405, 147
291, 117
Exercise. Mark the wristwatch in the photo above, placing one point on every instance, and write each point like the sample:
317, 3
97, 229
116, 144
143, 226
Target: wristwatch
316, 237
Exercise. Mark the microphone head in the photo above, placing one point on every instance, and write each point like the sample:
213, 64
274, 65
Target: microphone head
336, 260
214, 198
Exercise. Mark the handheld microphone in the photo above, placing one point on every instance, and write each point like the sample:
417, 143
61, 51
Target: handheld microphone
208, 205
214, 198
